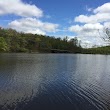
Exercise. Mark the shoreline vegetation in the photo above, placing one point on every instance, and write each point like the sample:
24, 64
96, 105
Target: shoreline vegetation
12, 41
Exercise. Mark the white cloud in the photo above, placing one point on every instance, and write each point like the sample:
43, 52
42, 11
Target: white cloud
50, 27
100, 14
17, 7
33, 25
99, 17
107, 24
89, 34
105, 8
29, 23
35, 31
92, 30
75, 28
86, 29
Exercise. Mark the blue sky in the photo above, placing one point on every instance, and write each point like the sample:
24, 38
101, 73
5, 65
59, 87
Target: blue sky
84, 19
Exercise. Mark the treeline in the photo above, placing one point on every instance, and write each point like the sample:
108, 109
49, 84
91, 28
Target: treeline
98, 50
13, 41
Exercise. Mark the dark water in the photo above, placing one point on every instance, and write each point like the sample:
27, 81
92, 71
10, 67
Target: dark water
54, 82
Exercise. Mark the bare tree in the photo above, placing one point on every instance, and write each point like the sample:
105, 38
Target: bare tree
105, 34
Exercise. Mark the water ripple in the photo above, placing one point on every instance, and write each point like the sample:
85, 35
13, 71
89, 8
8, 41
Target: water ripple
54, 82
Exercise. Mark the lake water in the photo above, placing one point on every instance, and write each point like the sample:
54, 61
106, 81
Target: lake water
54, 82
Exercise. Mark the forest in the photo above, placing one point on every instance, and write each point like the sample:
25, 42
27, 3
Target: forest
13, 41
98, 50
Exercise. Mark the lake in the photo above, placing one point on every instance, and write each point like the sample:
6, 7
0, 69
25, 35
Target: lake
54, 82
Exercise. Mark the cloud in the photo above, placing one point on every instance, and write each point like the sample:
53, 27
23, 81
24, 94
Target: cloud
105, 8
88, 9
100, 14
107, 24
33, 25
90, 34
75, 28
87, 29
18, 7
35, 31
30, 17
90, 28
99, 17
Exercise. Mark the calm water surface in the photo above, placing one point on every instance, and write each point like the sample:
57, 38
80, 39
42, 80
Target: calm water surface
54, 82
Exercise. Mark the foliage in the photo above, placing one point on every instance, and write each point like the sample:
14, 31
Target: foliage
13, 41
3, 45
99, 50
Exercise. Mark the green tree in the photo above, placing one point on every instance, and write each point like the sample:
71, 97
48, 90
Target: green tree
3, 45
